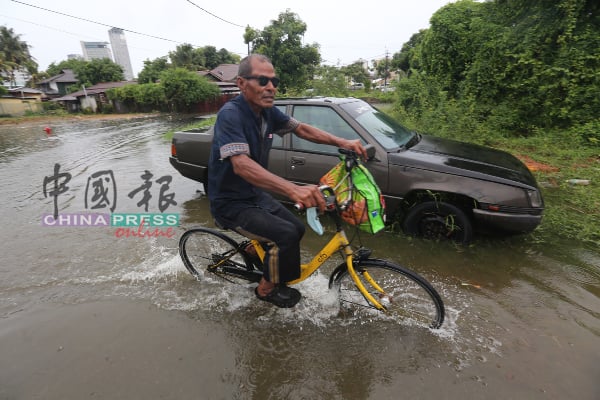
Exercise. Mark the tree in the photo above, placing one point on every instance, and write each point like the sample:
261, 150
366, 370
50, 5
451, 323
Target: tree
408, 57
141, 97
196, 59
100, 70
89, 72
382, 67
185, 88
329, 81
226, 57
74, 64
211, 57
185, 56
152, 70
357, 73
14, 54
518, 66
250, 35
450, 45
282, 43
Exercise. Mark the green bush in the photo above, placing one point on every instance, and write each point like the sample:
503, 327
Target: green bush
589, 133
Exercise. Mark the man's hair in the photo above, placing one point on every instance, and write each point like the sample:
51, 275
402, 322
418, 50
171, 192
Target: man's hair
245, 68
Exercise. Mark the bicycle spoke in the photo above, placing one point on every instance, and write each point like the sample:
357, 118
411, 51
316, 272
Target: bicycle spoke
207, 249
406, 296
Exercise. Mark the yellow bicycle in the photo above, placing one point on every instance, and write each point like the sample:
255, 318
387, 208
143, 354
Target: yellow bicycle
364, 283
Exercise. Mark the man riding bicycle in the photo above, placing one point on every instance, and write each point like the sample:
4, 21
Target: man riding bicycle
238, 177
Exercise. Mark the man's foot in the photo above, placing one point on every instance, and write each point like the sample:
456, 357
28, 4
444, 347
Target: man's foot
281, 295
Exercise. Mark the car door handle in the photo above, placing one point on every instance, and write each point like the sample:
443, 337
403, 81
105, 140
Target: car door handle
298, 161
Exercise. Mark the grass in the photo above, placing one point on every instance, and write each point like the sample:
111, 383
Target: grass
572, 211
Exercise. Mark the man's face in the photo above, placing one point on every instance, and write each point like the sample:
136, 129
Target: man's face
258, 96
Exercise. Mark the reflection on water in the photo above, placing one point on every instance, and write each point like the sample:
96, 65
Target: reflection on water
522, 315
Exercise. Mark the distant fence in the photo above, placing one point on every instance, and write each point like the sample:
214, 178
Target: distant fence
212, 106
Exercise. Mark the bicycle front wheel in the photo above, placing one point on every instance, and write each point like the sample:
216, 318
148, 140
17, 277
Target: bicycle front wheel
208, 249
406, 295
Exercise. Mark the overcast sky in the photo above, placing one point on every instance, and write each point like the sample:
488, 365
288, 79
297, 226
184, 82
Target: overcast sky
345, 31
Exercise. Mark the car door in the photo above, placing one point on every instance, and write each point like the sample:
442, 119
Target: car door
307, 162
277, 155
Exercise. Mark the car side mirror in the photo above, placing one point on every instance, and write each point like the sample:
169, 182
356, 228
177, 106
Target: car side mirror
370, 151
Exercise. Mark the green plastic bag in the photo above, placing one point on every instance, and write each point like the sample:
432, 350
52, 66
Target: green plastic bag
360, 197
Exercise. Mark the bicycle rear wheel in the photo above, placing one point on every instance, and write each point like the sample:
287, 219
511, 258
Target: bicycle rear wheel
407, 296
208, 249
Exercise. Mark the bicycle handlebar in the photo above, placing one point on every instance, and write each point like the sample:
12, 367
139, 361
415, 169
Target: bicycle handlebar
328, 195
351, 160
349, 153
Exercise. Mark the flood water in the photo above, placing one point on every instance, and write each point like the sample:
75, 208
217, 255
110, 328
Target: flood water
86, 311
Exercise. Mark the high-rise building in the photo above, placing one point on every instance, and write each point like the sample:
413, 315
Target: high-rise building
93, 50
119, 47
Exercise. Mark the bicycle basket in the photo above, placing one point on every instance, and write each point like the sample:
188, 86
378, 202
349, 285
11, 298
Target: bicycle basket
365, 206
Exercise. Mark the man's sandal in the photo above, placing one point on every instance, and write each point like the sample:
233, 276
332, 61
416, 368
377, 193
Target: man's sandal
282, 296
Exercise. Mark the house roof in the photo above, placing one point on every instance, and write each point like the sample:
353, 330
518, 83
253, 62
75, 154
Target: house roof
224, 72
227, 87
66, 76
95, 89
25, 90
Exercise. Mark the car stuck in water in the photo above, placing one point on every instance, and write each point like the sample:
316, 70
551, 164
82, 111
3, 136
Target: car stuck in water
434, 187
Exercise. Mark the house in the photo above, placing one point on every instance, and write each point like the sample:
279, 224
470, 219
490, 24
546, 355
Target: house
91, 98
224, 76
25, 93
57, 85
94, 98
21, 101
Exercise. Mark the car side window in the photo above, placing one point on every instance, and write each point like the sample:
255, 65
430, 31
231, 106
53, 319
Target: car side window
326, 119
278, 140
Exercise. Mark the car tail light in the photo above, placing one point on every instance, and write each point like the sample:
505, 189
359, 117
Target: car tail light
173, 151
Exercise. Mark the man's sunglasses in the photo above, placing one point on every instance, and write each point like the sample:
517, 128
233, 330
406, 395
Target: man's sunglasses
263, 80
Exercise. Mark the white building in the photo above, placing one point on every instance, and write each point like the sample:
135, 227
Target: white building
19, 78
119, 48
93, 50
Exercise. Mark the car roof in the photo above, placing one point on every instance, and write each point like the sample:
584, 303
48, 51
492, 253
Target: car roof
316, 100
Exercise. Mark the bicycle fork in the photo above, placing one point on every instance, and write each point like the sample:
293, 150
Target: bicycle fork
359, 283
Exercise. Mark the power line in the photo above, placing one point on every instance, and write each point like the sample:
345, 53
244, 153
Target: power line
50, 27
77, 35
95, 22
216, 16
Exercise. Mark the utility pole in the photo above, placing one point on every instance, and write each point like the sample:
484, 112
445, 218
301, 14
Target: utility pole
385, 73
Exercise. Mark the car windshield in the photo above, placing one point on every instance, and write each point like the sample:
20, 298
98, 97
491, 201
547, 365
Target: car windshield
384, 129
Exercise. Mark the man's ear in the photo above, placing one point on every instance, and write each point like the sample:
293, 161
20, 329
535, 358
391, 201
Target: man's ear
241, 83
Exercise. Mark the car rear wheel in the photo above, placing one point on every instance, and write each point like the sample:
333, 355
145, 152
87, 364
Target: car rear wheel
439, 221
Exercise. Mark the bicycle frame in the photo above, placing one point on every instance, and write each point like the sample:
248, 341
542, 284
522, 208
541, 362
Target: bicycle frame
338, 243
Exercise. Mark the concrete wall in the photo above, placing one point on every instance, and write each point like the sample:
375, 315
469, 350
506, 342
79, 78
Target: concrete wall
17, 107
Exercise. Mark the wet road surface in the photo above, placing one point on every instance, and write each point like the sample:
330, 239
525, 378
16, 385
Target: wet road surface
86, 311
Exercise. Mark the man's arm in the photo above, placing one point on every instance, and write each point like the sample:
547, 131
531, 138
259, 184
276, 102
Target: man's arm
317, 135
254, 173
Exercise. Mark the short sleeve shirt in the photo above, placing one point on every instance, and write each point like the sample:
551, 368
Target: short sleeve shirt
238, 130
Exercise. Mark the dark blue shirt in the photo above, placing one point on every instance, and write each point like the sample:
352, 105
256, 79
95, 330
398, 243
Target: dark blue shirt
239, 130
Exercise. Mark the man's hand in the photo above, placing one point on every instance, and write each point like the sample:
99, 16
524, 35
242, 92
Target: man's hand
356, 146
309, 196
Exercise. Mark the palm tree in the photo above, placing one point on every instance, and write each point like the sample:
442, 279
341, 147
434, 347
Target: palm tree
14, 54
